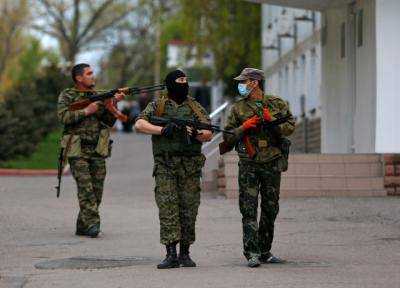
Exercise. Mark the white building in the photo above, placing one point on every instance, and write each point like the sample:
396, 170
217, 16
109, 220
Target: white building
291, 56
360, 73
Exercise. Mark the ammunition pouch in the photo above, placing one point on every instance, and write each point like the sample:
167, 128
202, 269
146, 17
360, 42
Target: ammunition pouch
72, 145
103, 144
283, 162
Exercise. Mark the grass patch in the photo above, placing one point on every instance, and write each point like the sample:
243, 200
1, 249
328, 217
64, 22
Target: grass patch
45, 156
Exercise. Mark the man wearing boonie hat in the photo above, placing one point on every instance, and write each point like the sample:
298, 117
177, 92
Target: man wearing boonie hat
263, 154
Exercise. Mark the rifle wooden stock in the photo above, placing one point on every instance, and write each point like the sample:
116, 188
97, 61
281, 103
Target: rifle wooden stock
224, 147
78, 105
249, 147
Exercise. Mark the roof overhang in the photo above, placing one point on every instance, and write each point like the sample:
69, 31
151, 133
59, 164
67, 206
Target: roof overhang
306, 4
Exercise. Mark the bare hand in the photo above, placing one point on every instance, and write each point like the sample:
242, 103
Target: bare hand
119, 96
204, 136
92, 108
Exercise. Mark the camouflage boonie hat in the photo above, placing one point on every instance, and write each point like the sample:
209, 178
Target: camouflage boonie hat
250, 73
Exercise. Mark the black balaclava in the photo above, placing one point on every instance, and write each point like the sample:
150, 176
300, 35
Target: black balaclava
176, 91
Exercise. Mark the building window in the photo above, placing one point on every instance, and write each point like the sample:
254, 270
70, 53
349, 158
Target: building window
324, 32
343, 40
360, 27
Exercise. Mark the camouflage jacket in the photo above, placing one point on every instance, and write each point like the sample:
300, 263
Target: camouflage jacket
265, 142
88, 135
178, 144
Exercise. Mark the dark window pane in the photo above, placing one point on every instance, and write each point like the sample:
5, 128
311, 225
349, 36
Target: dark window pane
343, 40
360, 27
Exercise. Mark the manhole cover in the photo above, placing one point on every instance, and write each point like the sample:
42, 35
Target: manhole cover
92, 262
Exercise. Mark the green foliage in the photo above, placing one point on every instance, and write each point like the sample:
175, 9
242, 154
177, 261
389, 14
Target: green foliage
29, 112
230, 29
45, 156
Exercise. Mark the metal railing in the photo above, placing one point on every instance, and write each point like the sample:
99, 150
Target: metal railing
217, 116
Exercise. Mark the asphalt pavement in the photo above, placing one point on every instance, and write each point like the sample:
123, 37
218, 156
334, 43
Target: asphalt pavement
327, 242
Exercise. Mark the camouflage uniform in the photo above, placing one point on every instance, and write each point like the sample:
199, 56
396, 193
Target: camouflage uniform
260, 175
89, 145
177, 172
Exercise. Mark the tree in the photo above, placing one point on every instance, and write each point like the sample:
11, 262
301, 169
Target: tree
13, 17
137, 58
79, 24
230, 29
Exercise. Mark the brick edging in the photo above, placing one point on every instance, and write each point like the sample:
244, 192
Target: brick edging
31, 172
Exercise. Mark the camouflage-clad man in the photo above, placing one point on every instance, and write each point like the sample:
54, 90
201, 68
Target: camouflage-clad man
262, 158
86, 143
177, 167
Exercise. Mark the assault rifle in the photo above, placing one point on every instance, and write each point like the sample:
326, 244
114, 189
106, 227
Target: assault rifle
60, 171
183, 123
93, 97
62, 159
224, 147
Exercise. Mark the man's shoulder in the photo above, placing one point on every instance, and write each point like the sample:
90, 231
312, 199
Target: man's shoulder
239, 101
274, 98
239, 104
194, 101
196, 104
277, 101
69, 92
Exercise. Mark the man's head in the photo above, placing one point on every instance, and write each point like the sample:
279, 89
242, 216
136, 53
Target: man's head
82, 75
250, 79
177, 86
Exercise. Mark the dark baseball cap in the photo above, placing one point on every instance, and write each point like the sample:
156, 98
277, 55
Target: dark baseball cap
250, 73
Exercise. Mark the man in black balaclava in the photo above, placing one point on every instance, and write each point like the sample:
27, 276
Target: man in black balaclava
177, 86
177, 167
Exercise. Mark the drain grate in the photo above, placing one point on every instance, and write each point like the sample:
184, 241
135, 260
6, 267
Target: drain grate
93, 262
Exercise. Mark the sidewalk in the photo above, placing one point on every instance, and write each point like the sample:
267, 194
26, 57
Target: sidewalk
329, 242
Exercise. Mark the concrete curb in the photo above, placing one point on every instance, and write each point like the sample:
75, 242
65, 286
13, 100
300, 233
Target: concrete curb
32, 172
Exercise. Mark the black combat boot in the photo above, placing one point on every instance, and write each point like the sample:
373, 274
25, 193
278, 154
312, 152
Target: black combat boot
269, 258
171, 260
184, 258
93, 231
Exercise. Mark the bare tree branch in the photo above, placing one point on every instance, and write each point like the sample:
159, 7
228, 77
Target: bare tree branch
96, 15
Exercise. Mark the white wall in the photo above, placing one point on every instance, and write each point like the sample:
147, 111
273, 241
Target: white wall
388, 76
335, 101
348, 93
365, 105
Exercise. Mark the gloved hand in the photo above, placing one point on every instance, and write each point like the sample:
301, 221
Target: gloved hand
251, 123
192, 132
168, 130
267, 115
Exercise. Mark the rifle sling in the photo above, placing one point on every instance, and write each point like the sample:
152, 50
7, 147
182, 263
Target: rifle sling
160, 108
67, 147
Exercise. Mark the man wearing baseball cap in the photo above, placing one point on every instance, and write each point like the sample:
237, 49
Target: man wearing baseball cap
260, 124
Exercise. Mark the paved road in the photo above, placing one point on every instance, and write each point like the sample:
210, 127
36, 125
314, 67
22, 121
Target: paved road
331, 242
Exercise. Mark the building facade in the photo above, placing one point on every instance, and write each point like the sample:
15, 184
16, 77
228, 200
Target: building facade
359, 76
291, 54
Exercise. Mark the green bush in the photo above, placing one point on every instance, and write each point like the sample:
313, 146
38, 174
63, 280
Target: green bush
29, 112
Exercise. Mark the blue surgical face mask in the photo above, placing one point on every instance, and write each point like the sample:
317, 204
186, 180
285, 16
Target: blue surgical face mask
242, 88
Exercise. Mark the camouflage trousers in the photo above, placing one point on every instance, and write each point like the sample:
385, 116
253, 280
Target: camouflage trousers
177, 194
258, 179
89, 174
